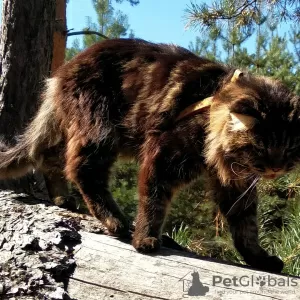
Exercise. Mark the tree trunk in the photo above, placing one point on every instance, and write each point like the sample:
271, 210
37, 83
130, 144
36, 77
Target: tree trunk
60, 35
26, 47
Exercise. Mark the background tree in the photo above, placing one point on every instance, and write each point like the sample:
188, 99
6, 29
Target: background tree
59, 35
25, 58
111, 23
241, 12
207, 46
132, 2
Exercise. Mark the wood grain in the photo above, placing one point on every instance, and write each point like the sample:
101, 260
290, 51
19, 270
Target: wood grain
49, 253
107, 268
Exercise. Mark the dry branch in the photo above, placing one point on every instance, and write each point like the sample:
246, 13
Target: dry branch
87, 32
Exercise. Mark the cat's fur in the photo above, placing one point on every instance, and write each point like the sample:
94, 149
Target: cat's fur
122, 97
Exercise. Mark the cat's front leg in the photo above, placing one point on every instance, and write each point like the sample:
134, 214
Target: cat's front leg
155, 193
243, 227
241, 213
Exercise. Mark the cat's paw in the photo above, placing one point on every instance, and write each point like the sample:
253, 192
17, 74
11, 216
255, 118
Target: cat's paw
67, 202
146, 245
268, 263
116, 227
273, 264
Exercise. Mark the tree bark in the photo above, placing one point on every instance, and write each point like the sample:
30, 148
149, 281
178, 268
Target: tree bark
60, 35
26, 47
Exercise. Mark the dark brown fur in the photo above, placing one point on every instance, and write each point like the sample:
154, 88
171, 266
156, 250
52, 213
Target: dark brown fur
122, 97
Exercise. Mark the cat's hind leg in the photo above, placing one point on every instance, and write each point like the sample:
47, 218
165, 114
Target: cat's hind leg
88, 166
57, 185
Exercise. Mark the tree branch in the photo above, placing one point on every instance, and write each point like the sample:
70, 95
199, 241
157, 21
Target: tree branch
87, 32
204, 15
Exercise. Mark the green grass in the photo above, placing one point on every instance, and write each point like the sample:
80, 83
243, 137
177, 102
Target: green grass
285, 241
181, 235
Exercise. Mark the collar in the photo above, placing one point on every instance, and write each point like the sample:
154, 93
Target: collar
205, 104
195, 108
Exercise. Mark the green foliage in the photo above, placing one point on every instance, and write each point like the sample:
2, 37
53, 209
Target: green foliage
181, 235
280, 232
242, 13
132, 2
110, 23
207, 46
274, 55
75, 49
124, 187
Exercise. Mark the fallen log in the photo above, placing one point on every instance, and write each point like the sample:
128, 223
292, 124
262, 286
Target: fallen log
47, 252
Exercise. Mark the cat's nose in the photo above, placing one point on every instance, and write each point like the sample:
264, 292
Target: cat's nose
276, 170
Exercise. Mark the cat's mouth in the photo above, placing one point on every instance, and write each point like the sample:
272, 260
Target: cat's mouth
273, 174
270, 173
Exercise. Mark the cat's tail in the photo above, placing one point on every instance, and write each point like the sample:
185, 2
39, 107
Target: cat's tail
42, 133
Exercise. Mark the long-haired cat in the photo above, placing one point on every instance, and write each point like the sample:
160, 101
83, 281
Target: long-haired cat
135, 98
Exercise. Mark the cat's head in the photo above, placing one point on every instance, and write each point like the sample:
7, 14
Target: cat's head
254, 128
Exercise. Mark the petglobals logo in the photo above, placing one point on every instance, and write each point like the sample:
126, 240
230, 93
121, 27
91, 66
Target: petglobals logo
247, 281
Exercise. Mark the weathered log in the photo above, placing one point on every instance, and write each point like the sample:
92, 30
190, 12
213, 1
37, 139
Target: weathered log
37, 241
107, 268
47, 252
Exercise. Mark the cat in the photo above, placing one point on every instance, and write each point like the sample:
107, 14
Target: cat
179, 115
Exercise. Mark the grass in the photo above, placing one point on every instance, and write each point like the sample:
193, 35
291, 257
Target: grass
279, 222
181, 235
285, 241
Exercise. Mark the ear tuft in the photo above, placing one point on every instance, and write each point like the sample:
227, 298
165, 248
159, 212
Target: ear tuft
240, 122
236, 75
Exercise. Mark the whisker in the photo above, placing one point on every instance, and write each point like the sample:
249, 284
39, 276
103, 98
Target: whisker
251, 185
243, 194
234, 172
249, 176
238, 164
246, 206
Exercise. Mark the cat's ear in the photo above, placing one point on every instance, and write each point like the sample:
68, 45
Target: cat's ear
236, 75
240, 122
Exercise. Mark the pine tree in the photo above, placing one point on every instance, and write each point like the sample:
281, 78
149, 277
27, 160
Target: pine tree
75, 49
279, 62
110, 23
242, 13
207, 46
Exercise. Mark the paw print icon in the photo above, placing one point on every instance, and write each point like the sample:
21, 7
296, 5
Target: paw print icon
261, 280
